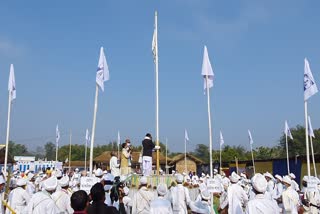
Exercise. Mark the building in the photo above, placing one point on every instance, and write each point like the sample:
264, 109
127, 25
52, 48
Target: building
193, 164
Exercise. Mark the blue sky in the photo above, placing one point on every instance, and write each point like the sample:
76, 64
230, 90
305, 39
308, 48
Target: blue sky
256, 48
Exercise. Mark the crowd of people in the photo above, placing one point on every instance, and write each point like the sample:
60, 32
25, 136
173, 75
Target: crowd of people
54, 191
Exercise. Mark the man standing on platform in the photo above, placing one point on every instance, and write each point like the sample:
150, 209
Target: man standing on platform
148, 147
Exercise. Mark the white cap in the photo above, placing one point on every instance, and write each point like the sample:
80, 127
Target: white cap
243, 175
278, 177
64, 181
98, 172
225, 181
50, 184
126, 190
234, 177
30, 176
179, 178
27, 171
305, 178
77, 170
287, 179
162, 189
108, 177
105, 172
58, 173
2, 181
203, 175
268, 174
205, 195
143, 180
292, 176
21, 182
259, 183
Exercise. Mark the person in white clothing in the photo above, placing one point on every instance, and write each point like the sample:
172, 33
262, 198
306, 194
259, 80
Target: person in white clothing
127, 202
18, 198
62, 196
31, 187
237, 198
290, 197
180, 197
114, 165
142, 199
161, 205
41, 202
2, 183
260, 204
203, 206
294, 185
271, 185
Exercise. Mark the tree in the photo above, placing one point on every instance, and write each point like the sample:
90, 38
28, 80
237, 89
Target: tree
17, 149
202, 152
50, 151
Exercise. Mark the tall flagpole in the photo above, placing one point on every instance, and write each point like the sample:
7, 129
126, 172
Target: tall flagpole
185, 155
288, 165
118, 145
85, 156
220, 160
166, 156
254, 168
7, 137
93, 129
210, 130
313, 160
157, 92
307, 138
70, 151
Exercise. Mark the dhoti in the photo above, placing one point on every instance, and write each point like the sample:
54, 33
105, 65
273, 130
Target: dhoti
147, 165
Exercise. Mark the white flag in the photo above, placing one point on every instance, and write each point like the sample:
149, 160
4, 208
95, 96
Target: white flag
87, 137
186, 137
12, 84
310, 130
221, 139
310, 87
287, 131
57, 135
119, 140
250, 137
155, 39
207, 69
102, 71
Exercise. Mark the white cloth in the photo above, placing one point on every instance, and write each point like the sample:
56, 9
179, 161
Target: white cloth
62, 200
201, 207
295, 186
42, 203
313, 198
114, 166
237, 198
278, 191
147, 165
31, 188
141, 201
18, 200
1, 206
127, 202
160, 206
107, 200
223, 200
262, 205
180, 199
290, 200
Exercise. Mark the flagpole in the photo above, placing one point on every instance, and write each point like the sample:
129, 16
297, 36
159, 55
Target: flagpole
254, 168
307, 138
93, 128
70, 152
209, 121
7, 137
118, 145
157, 93
166, 156
85, 156
220, 159
57, 148
313, 160
288, 165
185, 155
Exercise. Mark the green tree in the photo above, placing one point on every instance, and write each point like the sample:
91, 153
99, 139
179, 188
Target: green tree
202, 152
17, 149
50, 151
